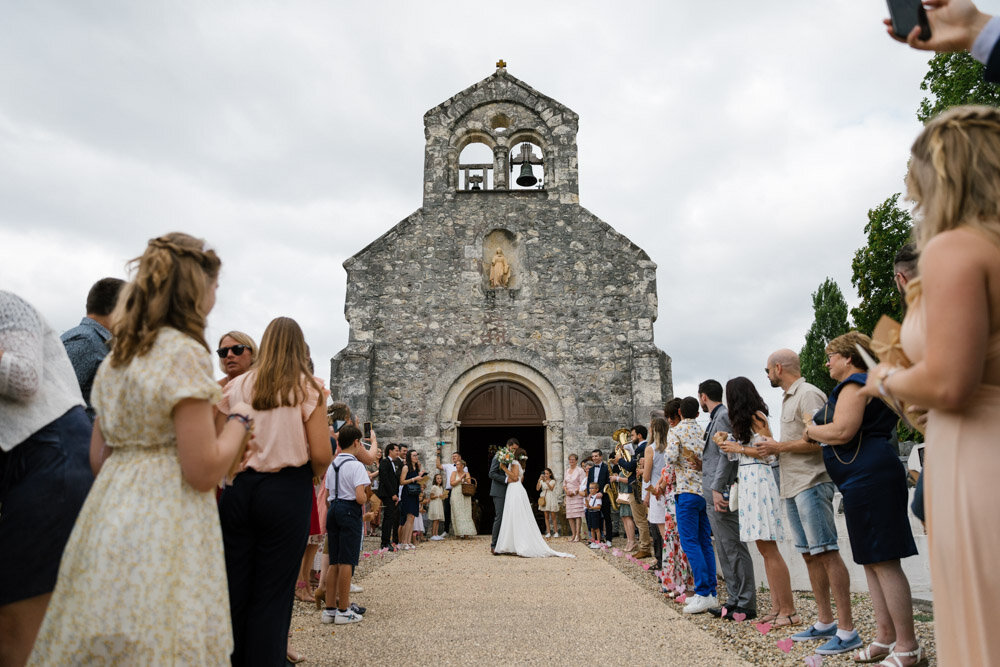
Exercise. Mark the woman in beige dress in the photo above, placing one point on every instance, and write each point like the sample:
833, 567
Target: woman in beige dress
952, 335
143, 578
461, 504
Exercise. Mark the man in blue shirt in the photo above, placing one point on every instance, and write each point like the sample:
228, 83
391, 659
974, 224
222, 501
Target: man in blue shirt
87, 343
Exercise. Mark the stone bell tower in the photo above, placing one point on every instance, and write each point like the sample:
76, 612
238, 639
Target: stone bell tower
504, 114
501, 308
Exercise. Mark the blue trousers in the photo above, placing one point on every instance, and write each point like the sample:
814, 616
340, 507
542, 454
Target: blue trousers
696, 540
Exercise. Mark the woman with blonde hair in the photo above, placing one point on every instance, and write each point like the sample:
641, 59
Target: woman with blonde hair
236, 351
142, 580
266, 512
952, 335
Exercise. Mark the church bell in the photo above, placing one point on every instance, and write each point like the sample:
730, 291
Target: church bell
527, 177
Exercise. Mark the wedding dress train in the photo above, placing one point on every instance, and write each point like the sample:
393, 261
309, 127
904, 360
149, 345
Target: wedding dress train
519, 532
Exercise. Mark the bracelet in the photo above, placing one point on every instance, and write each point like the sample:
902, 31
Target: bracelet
881, 383
247, 424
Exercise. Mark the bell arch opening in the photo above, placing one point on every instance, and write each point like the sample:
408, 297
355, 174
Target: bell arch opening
489, 416
476, 168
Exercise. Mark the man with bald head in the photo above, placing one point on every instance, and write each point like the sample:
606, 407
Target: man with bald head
808, 494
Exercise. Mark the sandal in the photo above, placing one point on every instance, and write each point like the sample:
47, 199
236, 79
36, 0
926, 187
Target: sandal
867, 655
788, 620
768, 618
893, 658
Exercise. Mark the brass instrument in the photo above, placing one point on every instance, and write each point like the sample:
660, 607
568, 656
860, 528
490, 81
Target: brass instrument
620, 437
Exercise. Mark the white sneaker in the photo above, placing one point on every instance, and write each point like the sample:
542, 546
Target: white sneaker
607, 543
345, 617
328, 616
547, 535
699, 604
444, 535
356, 589
436, 538
595, 545
556, 535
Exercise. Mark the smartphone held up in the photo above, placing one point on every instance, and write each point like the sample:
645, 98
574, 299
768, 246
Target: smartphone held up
906, 15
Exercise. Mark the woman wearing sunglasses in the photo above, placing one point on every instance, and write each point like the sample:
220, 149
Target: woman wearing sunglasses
236, 354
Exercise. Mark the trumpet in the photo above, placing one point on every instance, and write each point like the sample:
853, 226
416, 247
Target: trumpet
611, 490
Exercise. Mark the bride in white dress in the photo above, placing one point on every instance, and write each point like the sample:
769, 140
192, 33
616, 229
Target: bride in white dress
519, 532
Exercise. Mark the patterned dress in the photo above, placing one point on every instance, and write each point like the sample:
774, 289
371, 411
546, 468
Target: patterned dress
143, 578
759, 504
676, 570
551, 495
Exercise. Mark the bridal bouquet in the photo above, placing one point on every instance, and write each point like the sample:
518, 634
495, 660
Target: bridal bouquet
506, 456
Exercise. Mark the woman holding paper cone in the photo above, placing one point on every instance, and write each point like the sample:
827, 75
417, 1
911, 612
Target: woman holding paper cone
265, 513
146, 550
861, 460
952, 335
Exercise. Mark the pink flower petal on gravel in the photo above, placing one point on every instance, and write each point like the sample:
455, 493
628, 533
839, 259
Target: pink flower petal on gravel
645, 566
763, 628
814, 660
724, 612
680, 598
739, 616
616, 552
785, 644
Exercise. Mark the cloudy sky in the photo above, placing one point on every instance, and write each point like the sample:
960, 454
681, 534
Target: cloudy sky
740, 144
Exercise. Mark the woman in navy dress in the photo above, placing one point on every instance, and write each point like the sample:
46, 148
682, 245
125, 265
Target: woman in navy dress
857, 433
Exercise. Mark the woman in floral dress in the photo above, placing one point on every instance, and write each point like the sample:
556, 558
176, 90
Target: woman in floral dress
759, 505
143, 578
675, 572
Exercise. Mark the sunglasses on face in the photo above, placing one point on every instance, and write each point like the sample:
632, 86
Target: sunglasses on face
223, 352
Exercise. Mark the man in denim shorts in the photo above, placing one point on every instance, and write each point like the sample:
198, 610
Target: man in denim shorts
808, 494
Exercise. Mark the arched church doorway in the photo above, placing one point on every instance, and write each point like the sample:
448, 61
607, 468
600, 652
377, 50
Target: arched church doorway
492, 414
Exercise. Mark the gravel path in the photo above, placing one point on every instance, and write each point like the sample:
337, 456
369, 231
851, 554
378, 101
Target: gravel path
452, 603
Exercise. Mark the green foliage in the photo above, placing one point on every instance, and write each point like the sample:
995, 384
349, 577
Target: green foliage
954, 79
830, 321
888, 229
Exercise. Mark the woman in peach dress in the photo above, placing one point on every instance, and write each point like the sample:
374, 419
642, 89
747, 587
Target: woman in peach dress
952, 336
574, 497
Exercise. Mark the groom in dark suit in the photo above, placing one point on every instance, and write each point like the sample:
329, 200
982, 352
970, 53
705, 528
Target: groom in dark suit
388, 489
498, 491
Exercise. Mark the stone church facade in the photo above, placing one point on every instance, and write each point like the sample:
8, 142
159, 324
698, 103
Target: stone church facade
553, 343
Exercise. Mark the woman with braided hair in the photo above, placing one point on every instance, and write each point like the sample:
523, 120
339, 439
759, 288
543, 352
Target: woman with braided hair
952, 336
143, 580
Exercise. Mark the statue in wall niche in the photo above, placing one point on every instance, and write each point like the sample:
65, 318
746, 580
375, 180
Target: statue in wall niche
500, 270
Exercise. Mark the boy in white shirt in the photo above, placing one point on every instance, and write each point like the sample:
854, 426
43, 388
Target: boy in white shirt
349, 487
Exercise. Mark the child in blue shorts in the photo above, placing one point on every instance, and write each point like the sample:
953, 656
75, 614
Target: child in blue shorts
343, 524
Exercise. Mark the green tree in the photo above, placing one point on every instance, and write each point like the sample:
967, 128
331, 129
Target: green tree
888, 229
829, 321
953, 79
